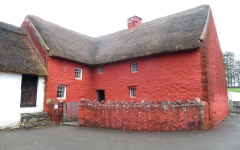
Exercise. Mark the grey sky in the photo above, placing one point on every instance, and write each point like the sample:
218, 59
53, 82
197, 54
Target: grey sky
100, 17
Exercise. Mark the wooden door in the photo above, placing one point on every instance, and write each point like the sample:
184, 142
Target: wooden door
72, 111
29, 91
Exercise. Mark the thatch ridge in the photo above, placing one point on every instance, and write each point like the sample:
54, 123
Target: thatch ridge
16, 52
177, 32
12, 28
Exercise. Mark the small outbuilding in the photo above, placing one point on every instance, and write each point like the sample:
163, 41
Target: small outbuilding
22, 76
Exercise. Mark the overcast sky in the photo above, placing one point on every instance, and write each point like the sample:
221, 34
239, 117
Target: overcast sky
101, 17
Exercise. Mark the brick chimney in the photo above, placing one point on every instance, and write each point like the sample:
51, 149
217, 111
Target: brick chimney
133, 22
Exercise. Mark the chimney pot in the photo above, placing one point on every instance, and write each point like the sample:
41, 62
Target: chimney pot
133, 22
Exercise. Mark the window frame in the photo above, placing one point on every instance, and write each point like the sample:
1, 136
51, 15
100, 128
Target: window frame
133, 70
78, 72
130, 90
100, 67
65, 91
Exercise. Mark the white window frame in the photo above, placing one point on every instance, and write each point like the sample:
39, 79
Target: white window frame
61, 90
134, 67
78, 73
100, 69
133, 92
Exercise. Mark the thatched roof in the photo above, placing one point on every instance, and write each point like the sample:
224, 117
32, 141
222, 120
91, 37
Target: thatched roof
16, 52
177, 32
64, 43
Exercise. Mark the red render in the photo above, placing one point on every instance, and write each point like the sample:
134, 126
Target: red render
172, 76
141, 117
56, 115
62, 72
216, 80
158, 77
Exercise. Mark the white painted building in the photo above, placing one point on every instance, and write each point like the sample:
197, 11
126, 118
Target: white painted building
22, 77
10, 110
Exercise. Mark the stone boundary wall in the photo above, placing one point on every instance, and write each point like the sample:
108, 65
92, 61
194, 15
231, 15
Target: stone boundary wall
56, 114
157, 117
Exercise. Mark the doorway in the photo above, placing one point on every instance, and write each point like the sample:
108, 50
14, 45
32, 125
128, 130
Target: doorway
100, 95
29, 91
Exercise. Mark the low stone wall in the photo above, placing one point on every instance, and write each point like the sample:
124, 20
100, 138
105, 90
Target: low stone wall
167, 116
54, 110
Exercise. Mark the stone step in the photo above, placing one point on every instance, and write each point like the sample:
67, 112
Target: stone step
33, 115
38, 124
73, 123
33, 120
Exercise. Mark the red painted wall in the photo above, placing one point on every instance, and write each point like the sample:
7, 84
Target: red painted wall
62, 72
173, 76
216, 80
144, 117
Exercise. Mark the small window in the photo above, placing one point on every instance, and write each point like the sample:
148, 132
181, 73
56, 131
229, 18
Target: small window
132, 92
61, 92
100, 69
78, 73
134, 67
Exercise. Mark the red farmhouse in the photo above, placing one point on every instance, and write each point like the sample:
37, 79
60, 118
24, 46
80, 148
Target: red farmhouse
174, 57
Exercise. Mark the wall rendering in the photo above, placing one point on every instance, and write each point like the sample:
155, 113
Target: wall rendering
145, 116
171, 76
215, 75
62, 72
10, 87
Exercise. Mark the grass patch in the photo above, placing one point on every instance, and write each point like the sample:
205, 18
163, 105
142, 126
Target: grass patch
233, 90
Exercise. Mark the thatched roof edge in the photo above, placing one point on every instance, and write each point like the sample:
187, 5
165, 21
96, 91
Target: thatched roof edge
177, 32
206, 25
12, 28
17, 54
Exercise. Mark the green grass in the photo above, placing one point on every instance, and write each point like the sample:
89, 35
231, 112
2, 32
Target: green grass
233, 90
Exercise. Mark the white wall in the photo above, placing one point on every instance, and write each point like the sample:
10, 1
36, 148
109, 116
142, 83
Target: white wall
234, 96
10, 99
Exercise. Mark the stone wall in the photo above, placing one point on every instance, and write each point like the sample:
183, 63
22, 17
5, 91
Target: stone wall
167, 116
54, 110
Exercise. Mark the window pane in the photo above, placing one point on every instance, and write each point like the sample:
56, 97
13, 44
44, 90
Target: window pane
78, 73
61, 91
132, 92
134, 67
100, 69
62, 94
